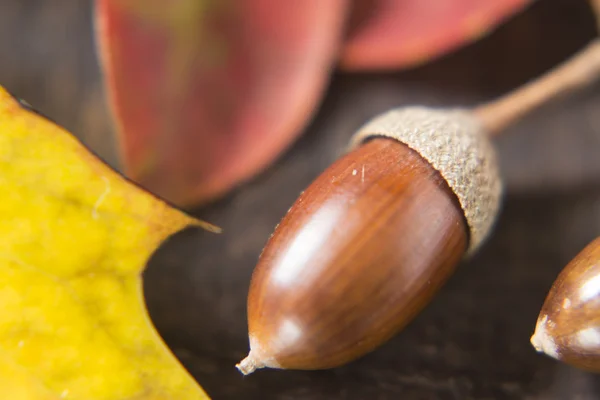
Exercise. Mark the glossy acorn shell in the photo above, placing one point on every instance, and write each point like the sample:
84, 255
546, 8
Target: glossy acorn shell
356, 258
568, 326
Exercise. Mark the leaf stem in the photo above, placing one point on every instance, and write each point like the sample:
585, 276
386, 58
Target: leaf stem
579, 71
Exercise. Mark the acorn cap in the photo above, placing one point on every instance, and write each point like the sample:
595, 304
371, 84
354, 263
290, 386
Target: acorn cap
455, 144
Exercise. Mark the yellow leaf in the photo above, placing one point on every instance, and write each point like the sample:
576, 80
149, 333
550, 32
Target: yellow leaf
74, 239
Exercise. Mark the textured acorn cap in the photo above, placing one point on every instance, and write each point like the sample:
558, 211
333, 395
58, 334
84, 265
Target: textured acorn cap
455, 144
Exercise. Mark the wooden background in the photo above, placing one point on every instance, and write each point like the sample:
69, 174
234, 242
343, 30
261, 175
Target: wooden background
473, 341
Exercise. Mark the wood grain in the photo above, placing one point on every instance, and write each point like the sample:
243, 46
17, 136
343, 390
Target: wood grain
359, 254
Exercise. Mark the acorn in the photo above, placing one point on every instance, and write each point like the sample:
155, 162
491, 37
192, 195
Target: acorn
367, 245
568, 326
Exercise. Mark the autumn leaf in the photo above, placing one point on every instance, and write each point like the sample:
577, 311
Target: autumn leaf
207, 93
393, 34
75, 237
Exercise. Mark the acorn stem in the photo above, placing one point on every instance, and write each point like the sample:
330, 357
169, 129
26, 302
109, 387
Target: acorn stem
249, 364
578, 72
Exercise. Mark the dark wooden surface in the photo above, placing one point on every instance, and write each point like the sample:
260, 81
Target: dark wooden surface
472, 342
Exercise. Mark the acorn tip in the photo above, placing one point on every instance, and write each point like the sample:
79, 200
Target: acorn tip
248, 365
542, 341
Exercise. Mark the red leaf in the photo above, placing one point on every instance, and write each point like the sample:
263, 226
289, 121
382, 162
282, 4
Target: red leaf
206, 94
386, 34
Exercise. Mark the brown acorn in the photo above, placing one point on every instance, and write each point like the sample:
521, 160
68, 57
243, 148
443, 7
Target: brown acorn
371, 240
568, 327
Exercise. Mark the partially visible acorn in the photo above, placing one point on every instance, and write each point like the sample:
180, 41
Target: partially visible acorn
568, 326
368, 244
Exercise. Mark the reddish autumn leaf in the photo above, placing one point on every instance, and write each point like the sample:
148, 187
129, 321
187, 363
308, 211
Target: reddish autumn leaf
207, 93
386, 34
